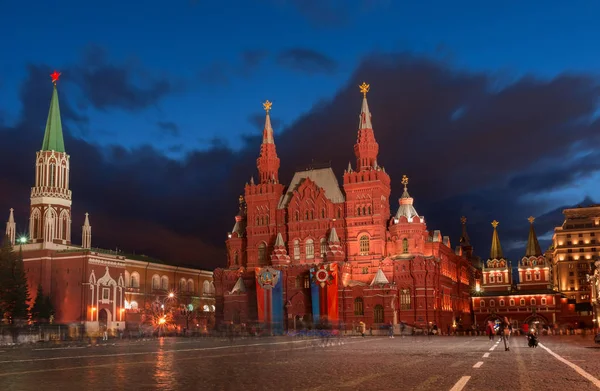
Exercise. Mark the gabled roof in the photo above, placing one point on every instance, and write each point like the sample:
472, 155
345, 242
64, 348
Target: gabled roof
323, 178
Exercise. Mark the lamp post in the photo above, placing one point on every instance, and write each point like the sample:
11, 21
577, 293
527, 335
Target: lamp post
163, 319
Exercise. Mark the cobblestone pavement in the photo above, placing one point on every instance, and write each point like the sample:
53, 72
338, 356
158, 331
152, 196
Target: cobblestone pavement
410, 363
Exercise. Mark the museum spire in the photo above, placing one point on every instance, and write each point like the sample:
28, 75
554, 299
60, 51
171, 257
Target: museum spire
268, 162
366, 148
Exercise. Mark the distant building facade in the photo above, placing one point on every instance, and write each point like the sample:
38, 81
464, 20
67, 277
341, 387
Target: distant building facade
575, 248
316, 251
530, 299
93, 290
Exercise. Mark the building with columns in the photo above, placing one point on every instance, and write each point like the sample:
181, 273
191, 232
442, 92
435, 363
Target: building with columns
93, 289
314, 251
530, 299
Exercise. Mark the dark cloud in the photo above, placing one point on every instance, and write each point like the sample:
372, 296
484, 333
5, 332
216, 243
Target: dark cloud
306, 60
251, 59
124, 86
168, 128
506, 142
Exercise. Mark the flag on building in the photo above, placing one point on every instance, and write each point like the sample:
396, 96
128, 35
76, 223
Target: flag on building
269, 297
324, 292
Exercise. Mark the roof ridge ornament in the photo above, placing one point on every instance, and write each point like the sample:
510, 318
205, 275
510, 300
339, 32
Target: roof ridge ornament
405, 181
267, 106
364, 88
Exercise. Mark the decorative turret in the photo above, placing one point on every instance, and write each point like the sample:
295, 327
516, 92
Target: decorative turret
239, 227
50, 214
533, 246
335, 252
268, 162
366, 148
496, 250
406, 208
465, 241
86, 233
279, 257
11, 227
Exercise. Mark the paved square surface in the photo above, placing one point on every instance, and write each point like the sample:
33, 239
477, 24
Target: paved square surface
410, 363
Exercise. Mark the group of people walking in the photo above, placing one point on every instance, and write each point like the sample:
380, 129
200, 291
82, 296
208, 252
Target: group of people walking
505, 330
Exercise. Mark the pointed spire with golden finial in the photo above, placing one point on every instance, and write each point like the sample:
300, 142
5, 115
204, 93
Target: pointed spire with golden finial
533, 246
268, 130
464, 239
496, 251
365, 114
406, 208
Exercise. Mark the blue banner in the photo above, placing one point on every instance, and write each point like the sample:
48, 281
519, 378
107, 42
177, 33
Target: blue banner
314, 295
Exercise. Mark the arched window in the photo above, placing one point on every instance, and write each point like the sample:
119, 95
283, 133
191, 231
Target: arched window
364, 245
492, 303
182, 285
323, 213
127, 279
492, 278
135, 280
298, 283
205, 287
297, 216
312, 214
257, 220
359, 306
499, 277
358, 211
306, 281
543, 301
405, 299
501, 303
306, 214
522, 302
267, 220
512, 302
262, 220
378, 314
296, 249
528, 276
323, 247
52, 173
310, 249
236, 259
164, 283
537, 275
364, 211
262, 254
482, 303
532, 301
404, 246
369, 209
155, 281
190, 286
339, 214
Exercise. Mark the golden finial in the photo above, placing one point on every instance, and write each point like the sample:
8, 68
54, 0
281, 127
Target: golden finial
364, 88
463, 220
531, 219
267, 106
495, 223
404, 180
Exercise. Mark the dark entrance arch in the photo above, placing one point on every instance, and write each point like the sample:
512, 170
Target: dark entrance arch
102, 319
536, 321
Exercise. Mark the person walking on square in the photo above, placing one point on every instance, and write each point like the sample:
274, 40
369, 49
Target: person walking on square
505, 331
363, 328
490, 330
391, 330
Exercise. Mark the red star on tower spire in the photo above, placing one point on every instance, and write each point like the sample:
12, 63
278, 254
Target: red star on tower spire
55, 76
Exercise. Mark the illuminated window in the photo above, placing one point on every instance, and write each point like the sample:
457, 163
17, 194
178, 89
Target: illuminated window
532, 301
155, 282
190, 285
512, 302
182, 285
364, 245
164, 283
262, 254
492, 278
310, 249
522, 302
359, 306
405, 299
543, 301
378, 314
537, 275
135, 280
306, 281
323, 247
296, 249
501, 302
499, 278
404, 245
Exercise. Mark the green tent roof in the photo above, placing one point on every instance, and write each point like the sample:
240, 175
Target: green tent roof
53, 137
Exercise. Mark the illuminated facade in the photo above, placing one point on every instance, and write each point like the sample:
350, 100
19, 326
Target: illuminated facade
336, 253
531, 298
575, 248
94, 290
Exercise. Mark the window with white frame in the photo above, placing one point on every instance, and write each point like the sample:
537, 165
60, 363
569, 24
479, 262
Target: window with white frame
164, 283
522, 302
512, 302
528, 276
492, 303
155, 281
296, 249
501, 302
543, 301
323, 247
532, 301
537, 275
309, 249
492, 278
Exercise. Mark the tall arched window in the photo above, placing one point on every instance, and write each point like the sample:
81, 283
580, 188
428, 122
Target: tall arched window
155, 282
323, 247
364, 245
127, 279
339, 214
182, 285
405, 299
310, 249
52, 173
296, 249
297, 216
323, 213
236, 259
164, 283
378, 314
369, 209
190, 285
359, 306
262, 254
306, 214
405, 246
358, 211
135, 280
206, 288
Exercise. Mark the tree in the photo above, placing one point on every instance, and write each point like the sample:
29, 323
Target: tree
42, 307
14, 292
